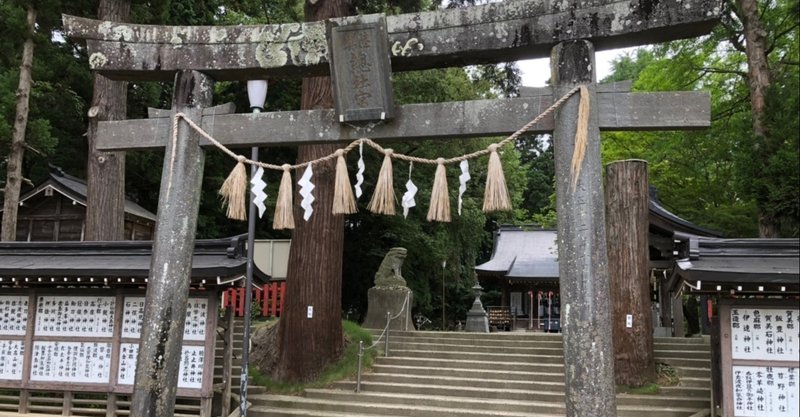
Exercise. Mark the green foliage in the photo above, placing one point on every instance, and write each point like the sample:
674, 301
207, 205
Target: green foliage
346, 367
59, 93
725, 177
667, 375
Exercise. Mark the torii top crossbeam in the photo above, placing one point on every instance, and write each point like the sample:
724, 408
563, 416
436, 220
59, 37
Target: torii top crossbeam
495, 32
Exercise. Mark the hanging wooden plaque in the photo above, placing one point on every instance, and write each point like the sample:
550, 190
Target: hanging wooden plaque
360, 71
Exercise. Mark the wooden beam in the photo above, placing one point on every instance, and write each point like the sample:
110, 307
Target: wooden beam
464, 119
494, 32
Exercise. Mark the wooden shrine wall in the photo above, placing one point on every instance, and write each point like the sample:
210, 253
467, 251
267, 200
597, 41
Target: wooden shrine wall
760, 357
86, 340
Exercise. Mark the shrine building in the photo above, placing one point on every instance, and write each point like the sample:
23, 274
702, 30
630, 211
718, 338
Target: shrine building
524, 266
55, 210
71, 317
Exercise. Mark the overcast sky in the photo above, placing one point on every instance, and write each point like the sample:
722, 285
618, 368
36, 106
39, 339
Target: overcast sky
535, 72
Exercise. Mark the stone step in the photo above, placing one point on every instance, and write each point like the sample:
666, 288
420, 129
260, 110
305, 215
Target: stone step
667, 345
495, 337
668, 396
688, 354
464, 341
486, 357
662, 400
470, 364
274, 405
502, 400
454, 347
468, 373
683, 340
674, 411
262, 411
451, 391
684, 362
440, 401
522, 335
478, 383
693, 372
409, 409
696, 382
680, 391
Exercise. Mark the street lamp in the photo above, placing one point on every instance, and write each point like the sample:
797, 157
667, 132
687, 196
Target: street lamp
257, 93
444, 265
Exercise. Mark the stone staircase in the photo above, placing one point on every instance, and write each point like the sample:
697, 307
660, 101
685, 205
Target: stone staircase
236, 368
438, 374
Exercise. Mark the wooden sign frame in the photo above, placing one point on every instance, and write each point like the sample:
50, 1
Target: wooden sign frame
115, 340
360, 72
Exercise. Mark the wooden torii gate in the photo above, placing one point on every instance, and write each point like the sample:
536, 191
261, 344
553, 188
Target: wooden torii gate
495, 32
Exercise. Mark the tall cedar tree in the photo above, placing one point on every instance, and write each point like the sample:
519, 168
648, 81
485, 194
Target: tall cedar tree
309, 344
758, 80
105, 208
14, 169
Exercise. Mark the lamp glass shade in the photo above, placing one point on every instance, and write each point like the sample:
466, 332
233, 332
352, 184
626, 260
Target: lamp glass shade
257, 93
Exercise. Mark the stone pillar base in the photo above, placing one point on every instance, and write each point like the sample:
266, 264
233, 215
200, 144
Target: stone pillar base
383, 299
477, 321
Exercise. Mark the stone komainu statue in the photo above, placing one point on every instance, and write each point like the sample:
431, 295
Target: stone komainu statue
390, 294
390, 272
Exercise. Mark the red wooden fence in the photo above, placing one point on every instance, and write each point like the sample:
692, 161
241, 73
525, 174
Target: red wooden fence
270, 299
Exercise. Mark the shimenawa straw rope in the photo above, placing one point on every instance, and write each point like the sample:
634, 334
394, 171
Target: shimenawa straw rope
234, 189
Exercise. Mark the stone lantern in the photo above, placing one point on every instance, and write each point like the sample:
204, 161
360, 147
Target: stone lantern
477, 319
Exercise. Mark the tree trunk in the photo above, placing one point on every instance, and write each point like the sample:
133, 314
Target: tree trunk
627, 219
758, 80
309, 344
105, 207
14, 168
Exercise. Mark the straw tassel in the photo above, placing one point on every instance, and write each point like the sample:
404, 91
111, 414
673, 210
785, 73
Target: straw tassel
343, 200
439, 210
383, 198
284, 217
495, 197
581, 137
234, 191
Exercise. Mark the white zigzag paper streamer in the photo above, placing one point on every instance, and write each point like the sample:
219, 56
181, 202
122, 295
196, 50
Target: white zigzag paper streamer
306, 187
360, 173
411, 191
257, 188
463, 178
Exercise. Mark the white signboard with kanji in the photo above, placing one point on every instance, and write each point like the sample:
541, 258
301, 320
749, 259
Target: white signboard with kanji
75, 316
83, 362
196, 316
765, 391
770, 334
13, 315
12, 353
190, 374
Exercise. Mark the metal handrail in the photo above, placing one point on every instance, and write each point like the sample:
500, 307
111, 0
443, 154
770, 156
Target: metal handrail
385, 332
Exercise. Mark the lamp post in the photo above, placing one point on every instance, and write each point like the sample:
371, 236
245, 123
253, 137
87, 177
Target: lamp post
444, 265
257, 94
